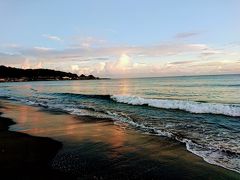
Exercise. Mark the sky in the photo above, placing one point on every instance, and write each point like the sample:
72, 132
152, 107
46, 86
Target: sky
127, 38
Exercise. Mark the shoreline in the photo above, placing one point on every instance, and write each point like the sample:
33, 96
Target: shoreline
96, 148
40, 80
23, 156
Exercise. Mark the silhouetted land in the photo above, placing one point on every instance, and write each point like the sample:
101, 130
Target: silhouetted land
10, 74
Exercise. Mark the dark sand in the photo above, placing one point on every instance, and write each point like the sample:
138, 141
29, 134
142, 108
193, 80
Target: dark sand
26, 157
94, 149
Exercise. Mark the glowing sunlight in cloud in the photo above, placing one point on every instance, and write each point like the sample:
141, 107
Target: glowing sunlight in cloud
120, 66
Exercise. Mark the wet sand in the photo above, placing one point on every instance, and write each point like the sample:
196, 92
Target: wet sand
101, 149
24, 156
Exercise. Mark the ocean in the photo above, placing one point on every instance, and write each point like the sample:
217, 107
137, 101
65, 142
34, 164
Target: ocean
203, 112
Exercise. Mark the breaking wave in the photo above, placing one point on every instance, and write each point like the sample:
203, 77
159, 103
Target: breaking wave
213, 150
190, 106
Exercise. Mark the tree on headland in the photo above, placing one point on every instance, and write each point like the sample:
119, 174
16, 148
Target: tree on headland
17, 74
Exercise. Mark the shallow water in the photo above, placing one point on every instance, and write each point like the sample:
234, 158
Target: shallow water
202, 111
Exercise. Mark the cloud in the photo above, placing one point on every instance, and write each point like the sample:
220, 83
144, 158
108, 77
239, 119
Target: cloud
87, 42
121, 66
184, 35
182, 62
209, 52
125, 61
104, 53
11, 46
166, 49
29, 64
38, 48
51, 37
75, 68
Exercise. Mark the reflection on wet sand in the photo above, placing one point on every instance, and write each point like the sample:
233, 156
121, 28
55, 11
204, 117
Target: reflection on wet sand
65, 127
98, 147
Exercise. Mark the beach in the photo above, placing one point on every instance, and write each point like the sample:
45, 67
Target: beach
120, 90
85, 147
24, 156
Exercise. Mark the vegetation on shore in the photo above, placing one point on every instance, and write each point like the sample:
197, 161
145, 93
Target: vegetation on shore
10, 74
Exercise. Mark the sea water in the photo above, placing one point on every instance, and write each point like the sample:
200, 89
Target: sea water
203, 112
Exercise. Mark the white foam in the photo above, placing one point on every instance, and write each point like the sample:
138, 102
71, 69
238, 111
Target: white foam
216, 157
212, 156
190, 106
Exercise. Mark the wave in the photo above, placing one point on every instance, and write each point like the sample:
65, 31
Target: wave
5, 97
190, 106
95, 96
199, 107
221, 156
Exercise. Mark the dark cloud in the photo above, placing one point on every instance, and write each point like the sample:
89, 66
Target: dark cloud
181, 62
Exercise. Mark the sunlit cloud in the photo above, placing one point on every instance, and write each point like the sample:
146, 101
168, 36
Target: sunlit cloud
167, 49
164, 59
28, 64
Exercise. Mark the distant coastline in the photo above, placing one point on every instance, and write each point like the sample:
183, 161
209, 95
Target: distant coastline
10, 74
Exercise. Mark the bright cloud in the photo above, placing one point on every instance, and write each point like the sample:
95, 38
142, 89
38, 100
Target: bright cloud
28, 64
122, 65
128, 61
